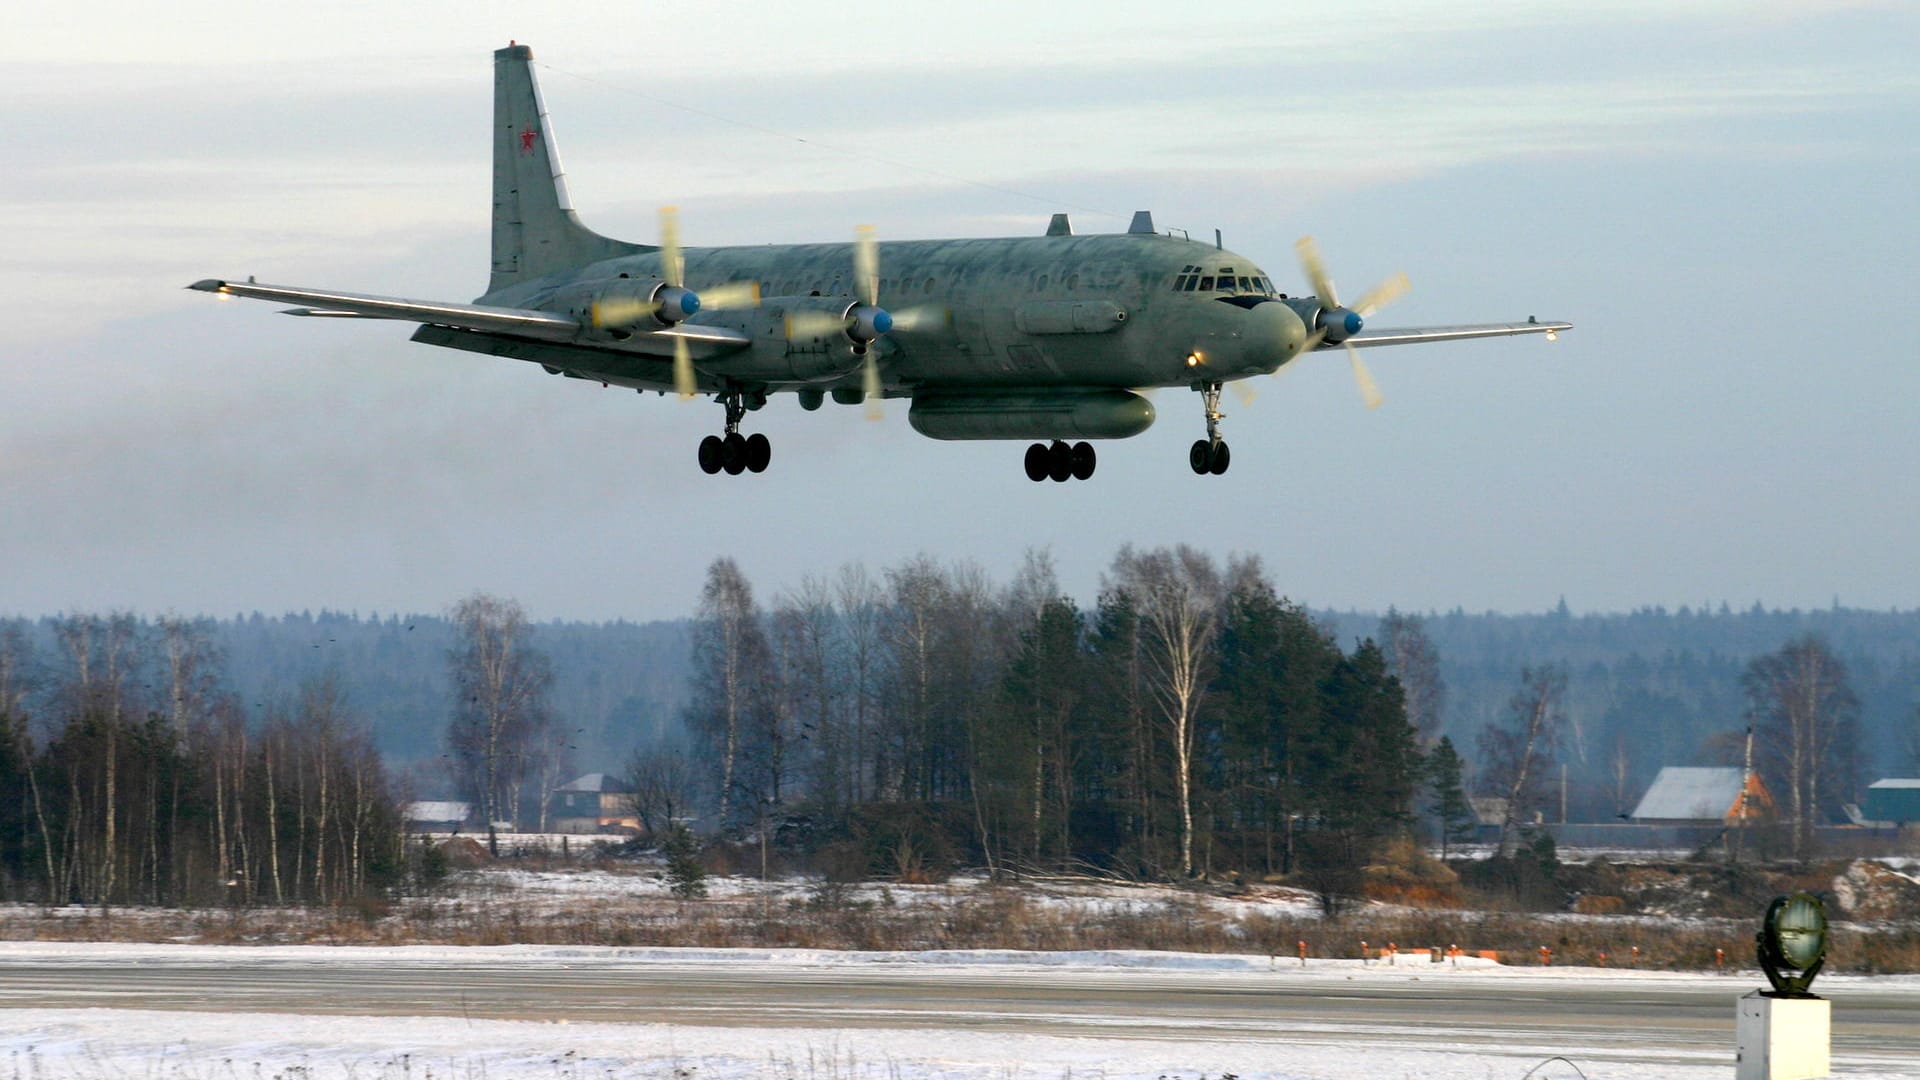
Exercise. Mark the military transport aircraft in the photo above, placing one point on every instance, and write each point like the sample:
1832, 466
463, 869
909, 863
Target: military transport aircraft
1046, 338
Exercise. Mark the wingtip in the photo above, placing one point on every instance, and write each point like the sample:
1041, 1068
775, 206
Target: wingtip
208, 285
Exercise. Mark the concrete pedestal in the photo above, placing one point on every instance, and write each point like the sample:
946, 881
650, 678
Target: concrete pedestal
1783, 1038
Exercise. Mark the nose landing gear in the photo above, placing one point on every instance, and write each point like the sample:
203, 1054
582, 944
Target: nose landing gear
734, 452
1210, 455
1060, 462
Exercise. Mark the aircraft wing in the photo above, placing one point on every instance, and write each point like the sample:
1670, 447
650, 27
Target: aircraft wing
521, 322
1414, 334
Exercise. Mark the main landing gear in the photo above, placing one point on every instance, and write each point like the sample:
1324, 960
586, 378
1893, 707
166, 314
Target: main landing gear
1210, 455
1059, 462
733, 452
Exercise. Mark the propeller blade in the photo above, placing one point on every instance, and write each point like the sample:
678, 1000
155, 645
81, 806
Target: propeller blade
924, 317
1369, 390
806, 324
607, 313
734, 294
672, 267
870, 383
866, 266
1382, 294
1316, 272
684, 382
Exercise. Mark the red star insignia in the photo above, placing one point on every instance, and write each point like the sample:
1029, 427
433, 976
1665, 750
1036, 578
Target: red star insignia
526, 140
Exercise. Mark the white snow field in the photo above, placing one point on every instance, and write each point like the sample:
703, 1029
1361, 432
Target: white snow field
427, 1013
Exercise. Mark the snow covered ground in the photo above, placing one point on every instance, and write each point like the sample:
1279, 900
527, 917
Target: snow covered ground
40, 1040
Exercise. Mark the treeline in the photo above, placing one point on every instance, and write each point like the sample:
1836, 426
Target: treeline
1658, 687
131, 774
1646, 688
1193, 721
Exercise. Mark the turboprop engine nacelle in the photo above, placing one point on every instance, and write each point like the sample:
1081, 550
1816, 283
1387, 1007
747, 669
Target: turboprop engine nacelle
819, 319
629, 303
1334, 325
1339, 324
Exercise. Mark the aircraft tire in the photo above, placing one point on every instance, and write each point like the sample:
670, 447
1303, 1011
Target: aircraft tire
1037, 464
1059, 462
1219, 460
1084, 459
1200, 457
713, 454
734, 459
759, 452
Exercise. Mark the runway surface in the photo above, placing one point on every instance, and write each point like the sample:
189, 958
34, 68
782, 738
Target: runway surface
1655, 1020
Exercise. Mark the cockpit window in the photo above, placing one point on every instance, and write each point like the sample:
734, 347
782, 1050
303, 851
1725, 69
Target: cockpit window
1190, 282
1206, 284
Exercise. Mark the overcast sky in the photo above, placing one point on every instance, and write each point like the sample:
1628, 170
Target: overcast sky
1724, 197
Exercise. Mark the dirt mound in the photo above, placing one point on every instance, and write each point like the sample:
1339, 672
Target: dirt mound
465, 853
1871, 892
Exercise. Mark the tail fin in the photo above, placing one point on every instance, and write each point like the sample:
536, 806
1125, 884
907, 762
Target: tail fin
535, 230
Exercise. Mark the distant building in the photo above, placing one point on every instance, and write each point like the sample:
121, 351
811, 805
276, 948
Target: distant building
1489, 814
1893, 800
594, 803
1691, 795
437, 816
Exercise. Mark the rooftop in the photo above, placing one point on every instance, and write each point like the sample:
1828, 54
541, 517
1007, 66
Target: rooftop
1691, 793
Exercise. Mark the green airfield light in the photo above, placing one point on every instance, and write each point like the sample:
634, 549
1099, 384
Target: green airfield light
1792, 943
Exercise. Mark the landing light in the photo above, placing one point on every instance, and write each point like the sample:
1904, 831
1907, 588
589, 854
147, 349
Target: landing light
1553, 335
1193, 359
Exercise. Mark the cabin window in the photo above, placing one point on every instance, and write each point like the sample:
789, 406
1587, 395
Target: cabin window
1073, 281
1041, 285
1206, 284
929, 285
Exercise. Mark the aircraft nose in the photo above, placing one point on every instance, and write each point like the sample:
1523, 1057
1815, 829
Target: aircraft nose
1275, 337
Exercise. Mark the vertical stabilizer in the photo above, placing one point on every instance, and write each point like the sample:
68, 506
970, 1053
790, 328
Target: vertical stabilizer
535, 230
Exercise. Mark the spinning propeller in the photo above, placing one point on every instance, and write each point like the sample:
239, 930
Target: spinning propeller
673, 302
1336, 323
863, 323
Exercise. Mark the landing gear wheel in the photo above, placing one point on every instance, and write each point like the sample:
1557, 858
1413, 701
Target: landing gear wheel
1221, 458
1083, 459
1059, 462
734, 459
759, 452
1036, 463
713, 454
1200, 456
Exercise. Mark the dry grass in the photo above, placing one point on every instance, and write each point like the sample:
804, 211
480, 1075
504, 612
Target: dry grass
979, 918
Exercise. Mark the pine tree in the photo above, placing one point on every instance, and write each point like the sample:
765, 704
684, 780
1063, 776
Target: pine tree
686, 878
1448, 795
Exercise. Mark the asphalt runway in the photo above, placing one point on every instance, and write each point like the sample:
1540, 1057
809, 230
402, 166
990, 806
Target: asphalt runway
1656, 1021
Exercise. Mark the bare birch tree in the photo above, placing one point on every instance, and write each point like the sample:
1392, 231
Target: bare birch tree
1803, 710
1176, 594
1412, 659
1516, 754
500, 702
730, 669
